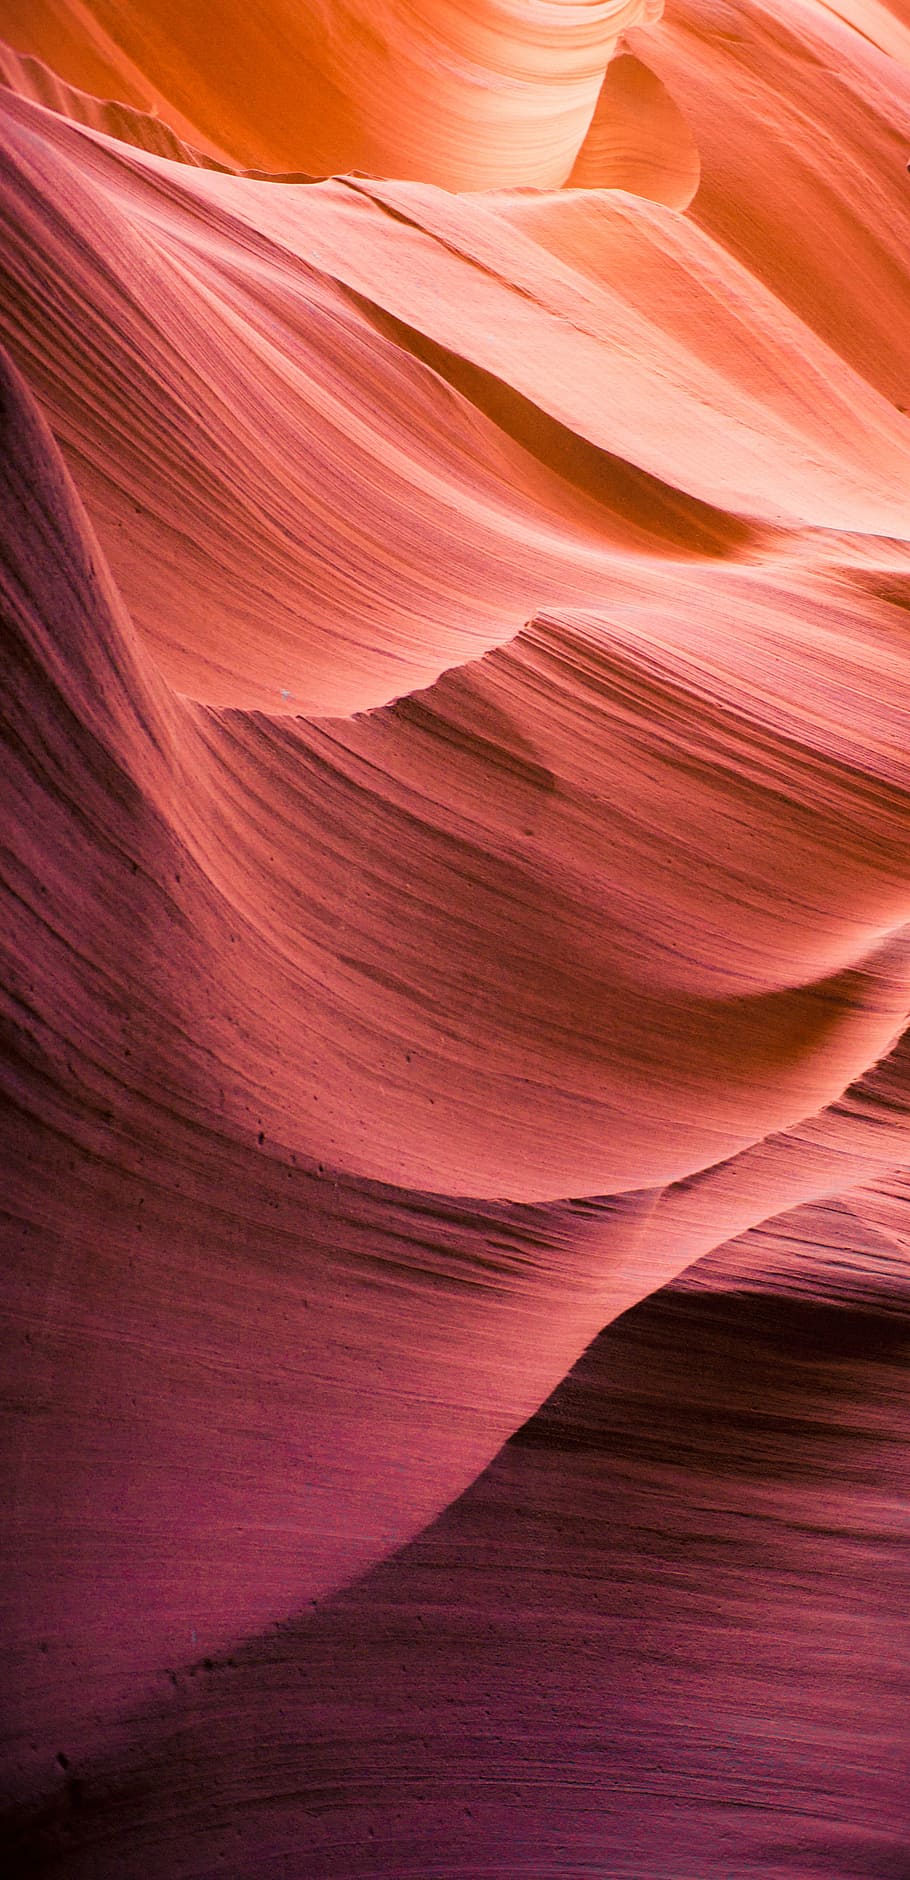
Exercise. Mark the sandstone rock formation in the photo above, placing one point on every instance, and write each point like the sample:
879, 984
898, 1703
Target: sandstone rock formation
456, 755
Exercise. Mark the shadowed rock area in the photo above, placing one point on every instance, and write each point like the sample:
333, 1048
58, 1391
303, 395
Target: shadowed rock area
616, 1653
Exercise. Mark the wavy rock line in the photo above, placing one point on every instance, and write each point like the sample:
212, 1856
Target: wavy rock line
455, 740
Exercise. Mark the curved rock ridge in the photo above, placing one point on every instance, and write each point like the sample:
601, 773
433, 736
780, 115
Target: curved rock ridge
472, 97
30, 78
638, 139
507, 901
803, 126
493, 1691
318, 448
454, 880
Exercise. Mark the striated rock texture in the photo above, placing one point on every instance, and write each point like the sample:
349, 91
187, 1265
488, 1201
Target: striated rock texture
454, 573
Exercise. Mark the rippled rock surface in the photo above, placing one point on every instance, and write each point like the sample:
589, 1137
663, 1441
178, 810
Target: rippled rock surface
454, 575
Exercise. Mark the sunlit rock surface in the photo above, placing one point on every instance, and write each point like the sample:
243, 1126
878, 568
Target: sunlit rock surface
456, 930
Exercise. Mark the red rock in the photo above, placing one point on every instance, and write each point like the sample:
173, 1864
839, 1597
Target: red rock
456, 803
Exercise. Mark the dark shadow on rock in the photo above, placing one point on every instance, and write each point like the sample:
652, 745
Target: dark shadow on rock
662, 1635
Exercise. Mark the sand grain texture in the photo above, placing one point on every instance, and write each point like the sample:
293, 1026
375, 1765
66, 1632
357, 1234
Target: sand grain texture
454, 567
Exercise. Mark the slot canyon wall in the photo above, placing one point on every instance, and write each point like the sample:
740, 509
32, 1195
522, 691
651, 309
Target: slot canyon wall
455, 597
